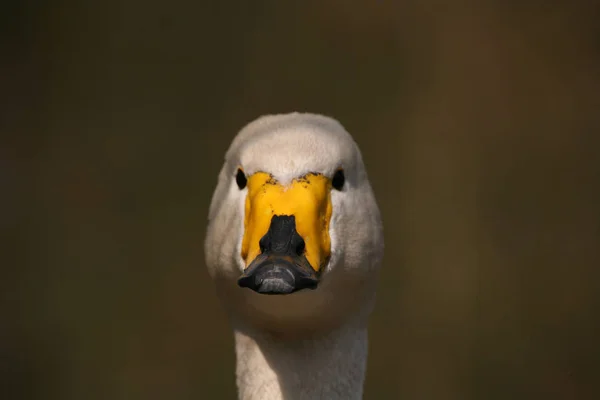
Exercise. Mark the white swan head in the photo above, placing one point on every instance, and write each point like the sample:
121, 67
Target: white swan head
294, 215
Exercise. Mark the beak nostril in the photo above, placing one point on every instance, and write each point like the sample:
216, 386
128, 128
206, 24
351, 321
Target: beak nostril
282, 237
264, 243
298, 244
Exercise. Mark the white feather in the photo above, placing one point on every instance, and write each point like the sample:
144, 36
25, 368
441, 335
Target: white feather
311, 344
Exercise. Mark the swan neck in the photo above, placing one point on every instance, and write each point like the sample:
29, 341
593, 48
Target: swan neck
331, 366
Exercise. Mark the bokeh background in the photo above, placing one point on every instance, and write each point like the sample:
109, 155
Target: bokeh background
479, 124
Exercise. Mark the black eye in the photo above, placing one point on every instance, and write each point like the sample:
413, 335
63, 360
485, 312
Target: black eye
240, 179
338, 179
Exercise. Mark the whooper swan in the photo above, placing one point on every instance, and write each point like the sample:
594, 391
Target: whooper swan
294, 243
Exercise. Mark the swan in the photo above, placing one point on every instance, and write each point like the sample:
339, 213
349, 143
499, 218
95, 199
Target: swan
293, 245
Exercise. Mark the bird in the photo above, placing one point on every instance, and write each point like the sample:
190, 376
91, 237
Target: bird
294, 245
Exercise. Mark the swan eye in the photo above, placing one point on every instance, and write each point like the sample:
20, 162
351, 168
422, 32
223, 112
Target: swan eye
338, 179
240, 179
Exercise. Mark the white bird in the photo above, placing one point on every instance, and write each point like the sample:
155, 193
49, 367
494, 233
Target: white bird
293, 244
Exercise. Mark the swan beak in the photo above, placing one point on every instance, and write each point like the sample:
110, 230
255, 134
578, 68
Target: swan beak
286, 233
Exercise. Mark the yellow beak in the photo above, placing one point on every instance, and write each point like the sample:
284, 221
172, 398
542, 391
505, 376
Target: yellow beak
307, 199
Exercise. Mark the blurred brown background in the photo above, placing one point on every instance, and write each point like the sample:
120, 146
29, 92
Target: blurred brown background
478, 121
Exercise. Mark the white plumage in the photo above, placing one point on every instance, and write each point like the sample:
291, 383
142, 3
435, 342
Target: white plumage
309, 344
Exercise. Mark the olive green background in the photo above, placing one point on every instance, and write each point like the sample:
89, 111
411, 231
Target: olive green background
478, 122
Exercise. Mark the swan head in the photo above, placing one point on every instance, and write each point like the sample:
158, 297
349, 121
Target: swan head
293, 215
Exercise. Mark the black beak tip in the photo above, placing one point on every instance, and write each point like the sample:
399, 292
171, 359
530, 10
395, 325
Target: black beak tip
281, 268
275, 279
275, 286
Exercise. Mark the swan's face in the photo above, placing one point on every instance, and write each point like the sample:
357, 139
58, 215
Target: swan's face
293, 215
286, 241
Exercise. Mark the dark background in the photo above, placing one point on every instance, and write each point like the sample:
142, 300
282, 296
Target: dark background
478, 121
